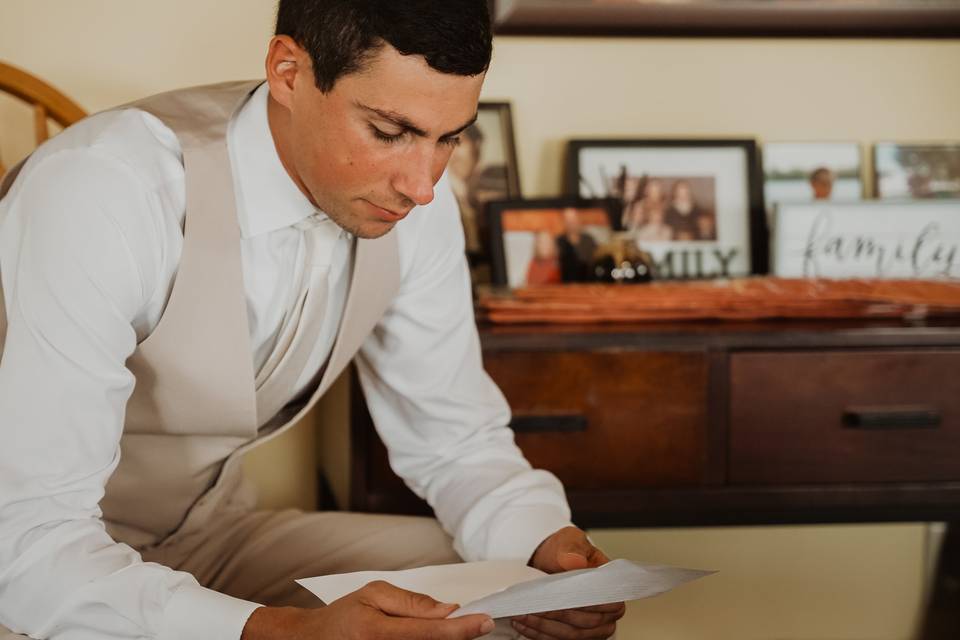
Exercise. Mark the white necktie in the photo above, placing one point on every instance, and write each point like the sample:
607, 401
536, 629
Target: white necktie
276, 381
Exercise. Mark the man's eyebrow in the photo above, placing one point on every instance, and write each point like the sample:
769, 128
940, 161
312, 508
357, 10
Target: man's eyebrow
403, 122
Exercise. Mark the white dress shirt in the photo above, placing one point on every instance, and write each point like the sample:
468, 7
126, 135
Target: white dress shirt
90, 242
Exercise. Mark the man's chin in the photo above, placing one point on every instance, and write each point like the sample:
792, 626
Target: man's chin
362, 227
373, 229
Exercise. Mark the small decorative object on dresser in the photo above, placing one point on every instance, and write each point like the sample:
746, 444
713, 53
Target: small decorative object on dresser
908, 239
483, 167
930, 170
695, 205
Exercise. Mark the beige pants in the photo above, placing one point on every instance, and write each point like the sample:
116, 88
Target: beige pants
258, 555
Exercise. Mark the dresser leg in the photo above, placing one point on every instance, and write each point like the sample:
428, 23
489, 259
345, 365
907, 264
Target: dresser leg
942, 621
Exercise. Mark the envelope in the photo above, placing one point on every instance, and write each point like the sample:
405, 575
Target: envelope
505, 588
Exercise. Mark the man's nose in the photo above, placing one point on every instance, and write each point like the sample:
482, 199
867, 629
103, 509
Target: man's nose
415, 178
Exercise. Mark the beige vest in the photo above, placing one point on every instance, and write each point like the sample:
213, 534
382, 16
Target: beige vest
193, 410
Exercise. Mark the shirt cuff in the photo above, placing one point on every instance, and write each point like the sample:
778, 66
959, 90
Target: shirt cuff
526, 530
196, 613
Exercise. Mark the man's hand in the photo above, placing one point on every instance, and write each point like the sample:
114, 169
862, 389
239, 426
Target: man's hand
567, 550
377, 611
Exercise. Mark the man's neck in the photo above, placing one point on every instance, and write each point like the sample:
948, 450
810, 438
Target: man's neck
278, 119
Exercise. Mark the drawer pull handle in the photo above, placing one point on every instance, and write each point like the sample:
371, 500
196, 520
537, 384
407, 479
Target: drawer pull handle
567, 423
892, 417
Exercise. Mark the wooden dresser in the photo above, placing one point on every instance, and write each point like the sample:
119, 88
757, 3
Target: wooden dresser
704, 423
710, 423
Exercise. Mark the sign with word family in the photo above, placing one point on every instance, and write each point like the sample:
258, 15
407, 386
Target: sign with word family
908, 239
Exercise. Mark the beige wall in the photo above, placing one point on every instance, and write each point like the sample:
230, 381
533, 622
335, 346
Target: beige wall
766, 89
828, 582
102, 52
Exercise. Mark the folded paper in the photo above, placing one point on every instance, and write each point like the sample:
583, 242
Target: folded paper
503, 588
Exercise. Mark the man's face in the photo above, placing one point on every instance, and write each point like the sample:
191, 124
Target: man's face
373, 147
822, 185
571, 221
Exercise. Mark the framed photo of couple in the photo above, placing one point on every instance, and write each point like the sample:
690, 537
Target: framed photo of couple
695, 206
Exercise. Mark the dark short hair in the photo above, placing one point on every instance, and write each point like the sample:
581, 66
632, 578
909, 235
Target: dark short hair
342, 35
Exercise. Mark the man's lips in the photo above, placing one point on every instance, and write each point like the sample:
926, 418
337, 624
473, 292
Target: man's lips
387, 215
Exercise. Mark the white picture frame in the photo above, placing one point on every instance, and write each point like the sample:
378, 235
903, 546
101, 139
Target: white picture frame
874, 239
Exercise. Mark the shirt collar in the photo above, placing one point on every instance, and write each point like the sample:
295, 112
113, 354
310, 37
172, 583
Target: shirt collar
267, 198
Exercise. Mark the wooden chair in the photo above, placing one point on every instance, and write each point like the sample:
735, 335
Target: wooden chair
47, 102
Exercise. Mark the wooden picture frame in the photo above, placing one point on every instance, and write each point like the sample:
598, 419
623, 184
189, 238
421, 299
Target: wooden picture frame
483, 168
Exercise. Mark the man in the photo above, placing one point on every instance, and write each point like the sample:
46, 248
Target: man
821, 183
576, 249
184, 277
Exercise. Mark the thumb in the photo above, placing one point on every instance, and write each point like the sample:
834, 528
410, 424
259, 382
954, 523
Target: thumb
395, 601
575, 551
572, 560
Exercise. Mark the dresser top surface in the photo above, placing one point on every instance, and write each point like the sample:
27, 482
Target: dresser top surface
724, 334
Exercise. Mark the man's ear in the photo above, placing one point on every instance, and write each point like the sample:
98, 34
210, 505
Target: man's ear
285, 59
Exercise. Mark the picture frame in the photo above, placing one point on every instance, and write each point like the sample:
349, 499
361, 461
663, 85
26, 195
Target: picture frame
483, 168
807, 171
531, 244
914, 239
903, 170
712, 18
696, 206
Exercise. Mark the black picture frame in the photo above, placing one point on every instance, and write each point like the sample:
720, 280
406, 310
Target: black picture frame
497, 209
477, 179
719, 18
757, 232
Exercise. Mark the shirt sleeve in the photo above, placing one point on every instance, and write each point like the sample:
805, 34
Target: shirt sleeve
72, 285
443, 420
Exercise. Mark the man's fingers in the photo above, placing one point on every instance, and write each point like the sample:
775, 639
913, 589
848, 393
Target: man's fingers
540, 628
598, 558
576, 541
465, 628
614, 607
572, 624
578, 617
406, 614
571, 561
567, 549
530, 632
575, 551
395, 601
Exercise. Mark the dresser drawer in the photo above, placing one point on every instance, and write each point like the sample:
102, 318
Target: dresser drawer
844, 416
608, 420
